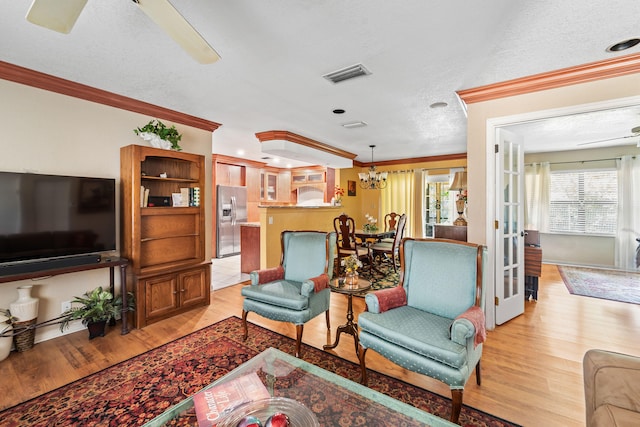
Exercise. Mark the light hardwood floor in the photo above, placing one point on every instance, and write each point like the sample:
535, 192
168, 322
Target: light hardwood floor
531, 366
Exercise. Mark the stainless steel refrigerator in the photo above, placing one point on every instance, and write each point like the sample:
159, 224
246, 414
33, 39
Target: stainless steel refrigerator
232, 211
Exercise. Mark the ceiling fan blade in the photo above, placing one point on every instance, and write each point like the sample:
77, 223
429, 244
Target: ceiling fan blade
609, 139
173, 23
58, 15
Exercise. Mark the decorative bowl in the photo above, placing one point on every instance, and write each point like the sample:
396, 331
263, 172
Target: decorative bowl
299, 415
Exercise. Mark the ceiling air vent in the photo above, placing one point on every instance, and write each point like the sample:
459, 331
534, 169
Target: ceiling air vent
351, 125
347, 73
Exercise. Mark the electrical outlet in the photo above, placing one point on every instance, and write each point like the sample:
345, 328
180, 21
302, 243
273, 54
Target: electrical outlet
66, 305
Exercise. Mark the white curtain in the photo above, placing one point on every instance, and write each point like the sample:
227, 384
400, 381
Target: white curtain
418, 219
536, 190
399, 197
628, 212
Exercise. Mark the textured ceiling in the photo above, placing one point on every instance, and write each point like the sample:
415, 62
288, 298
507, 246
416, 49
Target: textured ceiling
274, 54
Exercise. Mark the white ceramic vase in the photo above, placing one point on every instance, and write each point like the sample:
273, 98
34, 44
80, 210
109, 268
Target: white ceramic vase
155, 140
5, 341
25, 308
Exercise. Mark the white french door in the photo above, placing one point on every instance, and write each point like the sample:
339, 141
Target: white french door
509, 238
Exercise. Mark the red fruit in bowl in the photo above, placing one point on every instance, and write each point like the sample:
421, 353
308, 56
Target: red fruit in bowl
277, 420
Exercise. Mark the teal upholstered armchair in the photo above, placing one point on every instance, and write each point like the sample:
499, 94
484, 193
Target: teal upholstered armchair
298, 289
433, 322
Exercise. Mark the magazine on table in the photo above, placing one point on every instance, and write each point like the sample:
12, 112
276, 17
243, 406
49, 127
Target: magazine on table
211, 404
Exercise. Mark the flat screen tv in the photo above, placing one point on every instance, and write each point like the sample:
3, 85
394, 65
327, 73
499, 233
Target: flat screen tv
44, 217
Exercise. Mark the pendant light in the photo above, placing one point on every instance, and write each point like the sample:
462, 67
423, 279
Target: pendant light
373, 180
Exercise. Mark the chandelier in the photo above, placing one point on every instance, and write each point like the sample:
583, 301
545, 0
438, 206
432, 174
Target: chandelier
373, 180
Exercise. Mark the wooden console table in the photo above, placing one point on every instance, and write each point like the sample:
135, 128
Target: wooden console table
453, 232
111, 263
532, 270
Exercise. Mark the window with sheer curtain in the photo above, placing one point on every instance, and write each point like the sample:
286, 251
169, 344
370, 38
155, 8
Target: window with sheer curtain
399, 196
584, 202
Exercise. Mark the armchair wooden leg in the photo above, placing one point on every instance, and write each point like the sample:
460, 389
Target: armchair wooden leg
326, 313
299, 329
363, 367
456, 405
478, 378
244, 325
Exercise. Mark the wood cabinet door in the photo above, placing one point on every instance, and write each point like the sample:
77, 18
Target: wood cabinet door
299, 178
284, 187
253, 185
193, 287
315, 177
270, 187
229, 174
161, 296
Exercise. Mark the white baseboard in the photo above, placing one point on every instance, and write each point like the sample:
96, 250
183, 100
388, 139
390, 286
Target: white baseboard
74, 326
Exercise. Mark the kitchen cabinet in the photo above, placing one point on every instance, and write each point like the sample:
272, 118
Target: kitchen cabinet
164, 244
284, 187
227, 174
268, 186
308, 176
317, 177
250, 243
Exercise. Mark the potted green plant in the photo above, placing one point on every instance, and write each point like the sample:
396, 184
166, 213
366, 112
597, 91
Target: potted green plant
95, 308
160, 135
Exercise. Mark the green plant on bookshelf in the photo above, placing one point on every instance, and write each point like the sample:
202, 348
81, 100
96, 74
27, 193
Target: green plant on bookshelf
156, 132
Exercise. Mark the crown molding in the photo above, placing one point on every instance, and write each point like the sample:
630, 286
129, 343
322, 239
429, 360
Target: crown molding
615, 67
222, 158
55, 84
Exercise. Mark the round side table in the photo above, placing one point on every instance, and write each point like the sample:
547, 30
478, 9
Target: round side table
351, 328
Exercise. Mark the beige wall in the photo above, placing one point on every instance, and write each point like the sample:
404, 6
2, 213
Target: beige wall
44, 132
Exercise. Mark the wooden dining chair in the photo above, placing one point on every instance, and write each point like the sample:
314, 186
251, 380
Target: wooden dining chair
347, 245
389, 251
390, 223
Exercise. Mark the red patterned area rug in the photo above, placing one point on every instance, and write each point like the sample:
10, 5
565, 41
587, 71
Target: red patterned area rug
601, 283
136, 390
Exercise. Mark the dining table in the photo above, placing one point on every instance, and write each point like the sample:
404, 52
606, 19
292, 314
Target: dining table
374, 235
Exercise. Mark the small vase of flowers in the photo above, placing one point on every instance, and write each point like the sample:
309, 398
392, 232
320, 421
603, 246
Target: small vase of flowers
338, 194
371, 226
351, 265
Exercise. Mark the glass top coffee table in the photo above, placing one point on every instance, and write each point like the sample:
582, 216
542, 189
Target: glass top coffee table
333, 399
